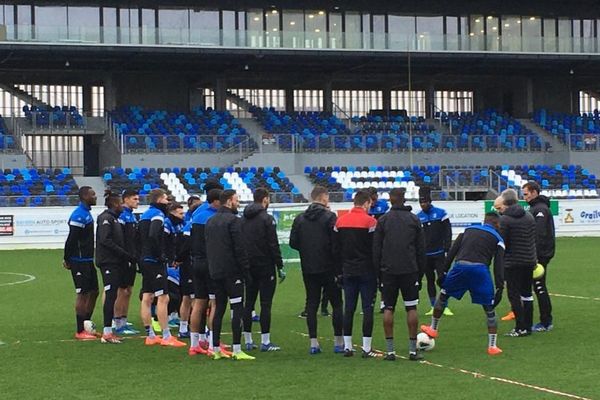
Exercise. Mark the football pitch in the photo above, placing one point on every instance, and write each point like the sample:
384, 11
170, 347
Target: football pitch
40, 359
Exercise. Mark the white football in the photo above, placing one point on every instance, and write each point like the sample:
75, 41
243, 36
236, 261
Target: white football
89, 326
424, 342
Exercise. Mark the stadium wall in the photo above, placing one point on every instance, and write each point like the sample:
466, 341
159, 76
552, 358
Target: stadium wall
178, 160
13, 161
47, 227
151, 91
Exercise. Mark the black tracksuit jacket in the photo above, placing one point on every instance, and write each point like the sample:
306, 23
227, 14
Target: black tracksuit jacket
225, 249
517, 227
545, 239
399, 242
312, 235
259, 231
110, 241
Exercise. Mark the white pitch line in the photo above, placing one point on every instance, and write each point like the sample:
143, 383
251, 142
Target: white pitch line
28, 278
483, 376
568, 296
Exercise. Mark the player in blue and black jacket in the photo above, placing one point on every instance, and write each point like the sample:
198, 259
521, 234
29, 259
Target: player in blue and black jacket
378, 206
204, 297
154, 269
79, 259
473, 251
438, 239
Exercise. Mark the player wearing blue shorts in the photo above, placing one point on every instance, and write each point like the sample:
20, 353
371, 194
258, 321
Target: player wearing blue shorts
473, 251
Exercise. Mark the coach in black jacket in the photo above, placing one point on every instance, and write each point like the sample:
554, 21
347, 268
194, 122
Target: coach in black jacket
399, 253
517, 228
259, 231
112, 258
312, 235
545, 243
227, 265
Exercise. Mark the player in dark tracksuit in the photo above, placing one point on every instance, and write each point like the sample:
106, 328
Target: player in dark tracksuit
354, 247
180, 257
312, 235
545, 243
518, 230
131, 200
259, 231
399, 255
438, 238
111, 258
473, 251
79, 259
228, 267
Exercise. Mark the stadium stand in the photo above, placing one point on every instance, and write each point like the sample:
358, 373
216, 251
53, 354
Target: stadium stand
183, 182
342, 182
559, 181
56, 116
37, 187
202, 130
578, 131
489, 131
315, 131
7, 142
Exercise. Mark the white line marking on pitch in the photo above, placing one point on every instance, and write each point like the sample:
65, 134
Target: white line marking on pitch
568, 296
480, 375
28, 278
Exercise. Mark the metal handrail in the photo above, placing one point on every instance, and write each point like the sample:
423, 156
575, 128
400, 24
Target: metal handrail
400, 142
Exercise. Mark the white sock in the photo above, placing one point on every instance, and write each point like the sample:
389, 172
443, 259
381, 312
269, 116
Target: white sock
314, 343
253, 313
166, 334
194, 339
367, 344
202, 337
107, 330
118, 323
265, 338
124, 321
209, 339
237, 348
382, 304
347, 342
338, 340
151, 333
492, 337
216, 349
183, 326
248, 337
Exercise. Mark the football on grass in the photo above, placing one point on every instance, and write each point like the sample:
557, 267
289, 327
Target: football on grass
424, 342
89, 326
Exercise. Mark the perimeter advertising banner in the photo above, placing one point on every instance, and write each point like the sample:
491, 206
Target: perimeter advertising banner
46, 227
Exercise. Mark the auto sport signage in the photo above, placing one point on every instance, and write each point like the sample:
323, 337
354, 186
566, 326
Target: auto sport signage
7, 227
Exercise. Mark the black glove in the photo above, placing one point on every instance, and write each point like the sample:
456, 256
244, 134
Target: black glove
498, 296
441, 278
248, 278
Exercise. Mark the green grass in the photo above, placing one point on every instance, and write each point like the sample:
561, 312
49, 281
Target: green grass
40, 361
